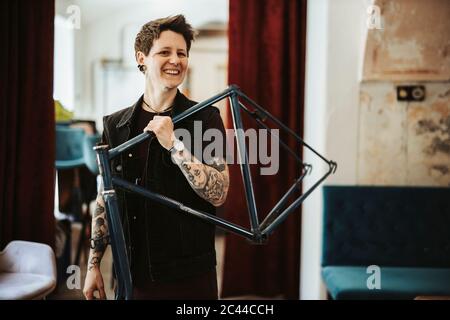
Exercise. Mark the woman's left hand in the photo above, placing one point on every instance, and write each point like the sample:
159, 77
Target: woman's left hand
162, 127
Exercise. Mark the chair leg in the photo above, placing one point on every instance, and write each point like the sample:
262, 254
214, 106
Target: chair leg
81, 242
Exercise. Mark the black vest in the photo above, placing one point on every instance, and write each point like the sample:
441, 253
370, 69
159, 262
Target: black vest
177, 244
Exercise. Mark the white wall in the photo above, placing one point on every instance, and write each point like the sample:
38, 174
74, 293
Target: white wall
63, 71
335, 31
314, 119
61, 6
208, 64
346, 31
406, 143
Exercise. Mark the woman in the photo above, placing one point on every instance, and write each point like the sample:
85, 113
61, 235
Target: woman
172, 254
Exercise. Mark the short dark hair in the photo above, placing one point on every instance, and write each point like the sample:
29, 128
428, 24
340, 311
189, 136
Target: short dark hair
152, 31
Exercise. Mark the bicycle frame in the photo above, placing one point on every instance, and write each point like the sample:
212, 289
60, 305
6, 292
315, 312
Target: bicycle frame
258, 232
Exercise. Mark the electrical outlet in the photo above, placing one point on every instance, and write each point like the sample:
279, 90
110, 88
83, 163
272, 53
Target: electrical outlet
411, 93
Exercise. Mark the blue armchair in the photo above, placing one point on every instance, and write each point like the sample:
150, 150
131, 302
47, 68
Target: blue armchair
402, 230
74, 150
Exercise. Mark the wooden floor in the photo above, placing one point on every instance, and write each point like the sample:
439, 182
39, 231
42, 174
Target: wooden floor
63, 293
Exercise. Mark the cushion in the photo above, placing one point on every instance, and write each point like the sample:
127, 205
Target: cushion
19, 286
350, 282
27, 270
390, 226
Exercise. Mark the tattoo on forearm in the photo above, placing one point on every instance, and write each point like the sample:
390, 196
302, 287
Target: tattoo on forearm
218, 164
99, 209
215, 186
100, 222
99, 244
196, 176
211, 182
100, 237
94, 262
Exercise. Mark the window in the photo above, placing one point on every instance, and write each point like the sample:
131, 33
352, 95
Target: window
63, 73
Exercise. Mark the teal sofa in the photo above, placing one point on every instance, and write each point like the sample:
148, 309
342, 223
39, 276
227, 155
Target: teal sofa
403, 231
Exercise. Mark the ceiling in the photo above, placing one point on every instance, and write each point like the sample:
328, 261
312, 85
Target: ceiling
92, 10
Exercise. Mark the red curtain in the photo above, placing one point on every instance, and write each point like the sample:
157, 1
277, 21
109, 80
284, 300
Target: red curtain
27, 138
266, 60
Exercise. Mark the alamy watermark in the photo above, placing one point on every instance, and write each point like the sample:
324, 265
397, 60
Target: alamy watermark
74, 280
374, 280
373, 17
262, 146
74, 18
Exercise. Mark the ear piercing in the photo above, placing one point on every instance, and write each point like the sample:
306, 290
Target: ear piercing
141, 68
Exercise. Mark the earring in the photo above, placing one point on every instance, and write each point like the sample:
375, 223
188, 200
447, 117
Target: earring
141, 68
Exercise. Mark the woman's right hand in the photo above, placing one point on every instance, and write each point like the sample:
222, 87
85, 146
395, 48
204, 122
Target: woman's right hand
94, 282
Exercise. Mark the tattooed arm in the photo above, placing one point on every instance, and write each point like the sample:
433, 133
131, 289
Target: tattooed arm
210, 182
99, 242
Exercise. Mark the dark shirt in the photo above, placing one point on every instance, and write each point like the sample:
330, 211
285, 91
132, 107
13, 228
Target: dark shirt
141, 152
164, 245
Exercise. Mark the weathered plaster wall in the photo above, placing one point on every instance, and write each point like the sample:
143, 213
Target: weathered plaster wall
361, 125
429, 138
413, 44
401, 143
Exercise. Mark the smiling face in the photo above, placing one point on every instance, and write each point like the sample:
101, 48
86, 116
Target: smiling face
167, 61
